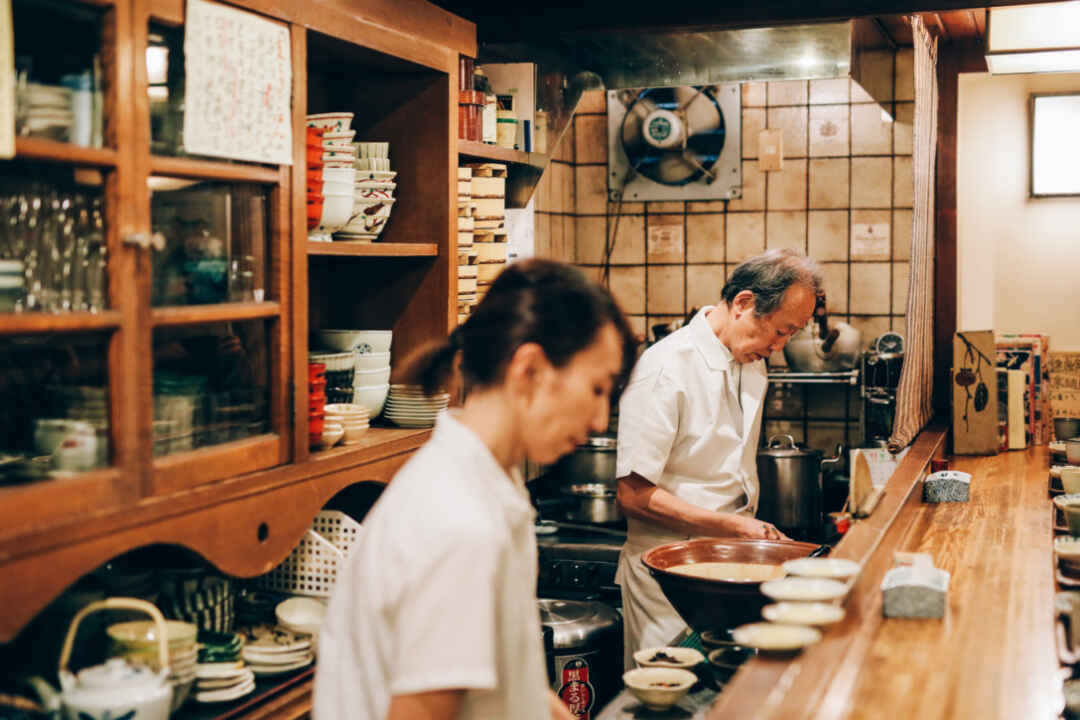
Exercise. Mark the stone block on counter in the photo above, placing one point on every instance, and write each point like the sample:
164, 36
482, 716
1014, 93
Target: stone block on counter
916, 590
947, 486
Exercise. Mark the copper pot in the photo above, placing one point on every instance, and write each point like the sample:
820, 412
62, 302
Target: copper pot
717, 604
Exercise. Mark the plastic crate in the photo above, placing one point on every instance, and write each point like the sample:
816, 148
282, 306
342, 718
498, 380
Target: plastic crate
312, 567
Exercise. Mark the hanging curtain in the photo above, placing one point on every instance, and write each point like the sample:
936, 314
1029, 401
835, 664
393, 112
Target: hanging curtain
913, 397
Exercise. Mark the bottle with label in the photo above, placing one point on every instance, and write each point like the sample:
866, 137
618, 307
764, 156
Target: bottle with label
489, 116
506, 130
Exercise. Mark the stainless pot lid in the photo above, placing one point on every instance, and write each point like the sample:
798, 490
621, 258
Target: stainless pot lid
602, 443
576, 623
590, 490
784, 446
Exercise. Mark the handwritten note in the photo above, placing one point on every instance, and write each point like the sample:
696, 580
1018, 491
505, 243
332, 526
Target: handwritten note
238, 85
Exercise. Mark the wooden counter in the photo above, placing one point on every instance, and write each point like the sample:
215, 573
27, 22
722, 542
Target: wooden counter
992, 656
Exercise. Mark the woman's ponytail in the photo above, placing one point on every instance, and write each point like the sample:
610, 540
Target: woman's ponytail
432, 366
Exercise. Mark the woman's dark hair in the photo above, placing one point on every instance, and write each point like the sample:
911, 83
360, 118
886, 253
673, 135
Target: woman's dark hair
541, 301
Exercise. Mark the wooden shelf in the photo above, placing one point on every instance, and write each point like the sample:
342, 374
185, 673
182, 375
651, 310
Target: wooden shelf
376, 441
213, 170
220, 312
494, 153
27, 148
39, 322
375, 249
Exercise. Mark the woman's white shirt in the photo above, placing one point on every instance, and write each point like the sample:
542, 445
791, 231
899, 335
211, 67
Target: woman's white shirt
440, 592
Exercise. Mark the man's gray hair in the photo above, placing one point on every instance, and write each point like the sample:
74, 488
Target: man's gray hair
769, 275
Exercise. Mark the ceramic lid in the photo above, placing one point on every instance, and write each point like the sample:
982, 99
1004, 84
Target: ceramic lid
785, 446
576, 623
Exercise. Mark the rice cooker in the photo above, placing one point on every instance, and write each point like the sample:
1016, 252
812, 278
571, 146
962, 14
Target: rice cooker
586, 653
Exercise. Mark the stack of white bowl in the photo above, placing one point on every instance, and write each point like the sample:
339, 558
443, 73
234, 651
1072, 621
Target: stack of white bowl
409, 407
371, 349
136, 641
331, 177
46, 111
373, 195
353, 420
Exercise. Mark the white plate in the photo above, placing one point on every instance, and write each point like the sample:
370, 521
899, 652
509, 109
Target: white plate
220, 671
271, 638
822, 567
413, 423
224, 683
803, 613
774, 636
804, 589
255, 657
260, 670
213, 696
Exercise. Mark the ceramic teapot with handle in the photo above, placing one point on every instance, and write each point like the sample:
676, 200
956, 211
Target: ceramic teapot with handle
114, 690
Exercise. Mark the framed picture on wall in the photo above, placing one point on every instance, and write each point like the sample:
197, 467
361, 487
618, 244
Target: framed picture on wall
1055, 144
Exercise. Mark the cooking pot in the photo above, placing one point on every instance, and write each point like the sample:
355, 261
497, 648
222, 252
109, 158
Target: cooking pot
790, 480
593, 503
592, 462
587, 649
806, 352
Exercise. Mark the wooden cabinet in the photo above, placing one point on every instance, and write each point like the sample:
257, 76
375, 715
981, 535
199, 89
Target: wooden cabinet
243, 491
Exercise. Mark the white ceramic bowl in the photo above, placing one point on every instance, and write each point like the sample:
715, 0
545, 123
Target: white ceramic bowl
801, 589
333, 122
659, 688
359, 341
669, 657
340, 136
372, 189
368, 378
803, 613
335, 187
370, 216
339, 175
375, 175
337, 209
373, 398
347, 410
331, 434
373, 361
776, 637
1067, 546
301, 615
354, 433
823, 567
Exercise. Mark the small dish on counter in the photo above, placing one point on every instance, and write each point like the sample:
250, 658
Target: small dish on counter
822, 567
669, 657
1070, 506
800, 589
803, 613
776, 637
659, 688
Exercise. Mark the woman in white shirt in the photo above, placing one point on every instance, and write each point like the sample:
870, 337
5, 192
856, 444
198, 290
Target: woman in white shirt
434, 614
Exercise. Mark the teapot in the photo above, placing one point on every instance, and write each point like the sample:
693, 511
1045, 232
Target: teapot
113, 690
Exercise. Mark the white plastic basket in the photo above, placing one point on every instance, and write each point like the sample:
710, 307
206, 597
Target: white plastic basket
312, 567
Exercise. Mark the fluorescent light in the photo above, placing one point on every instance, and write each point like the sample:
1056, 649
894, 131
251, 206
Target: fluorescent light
1034, 38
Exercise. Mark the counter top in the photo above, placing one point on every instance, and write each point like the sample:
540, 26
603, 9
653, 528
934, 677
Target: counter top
992, 656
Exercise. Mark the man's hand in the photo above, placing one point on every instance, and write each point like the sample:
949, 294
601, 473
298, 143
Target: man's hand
748, 527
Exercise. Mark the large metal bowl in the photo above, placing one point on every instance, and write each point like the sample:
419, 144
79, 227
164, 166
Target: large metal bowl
717, 604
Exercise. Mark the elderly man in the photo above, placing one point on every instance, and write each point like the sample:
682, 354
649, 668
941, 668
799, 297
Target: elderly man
689, 422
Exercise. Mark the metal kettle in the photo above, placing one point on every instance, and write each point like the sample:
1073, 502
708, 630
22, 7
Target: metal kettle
789, 477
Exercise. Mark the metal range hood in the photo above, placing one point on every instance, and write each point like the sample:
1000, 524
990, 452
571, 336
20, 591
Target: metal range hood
570, 63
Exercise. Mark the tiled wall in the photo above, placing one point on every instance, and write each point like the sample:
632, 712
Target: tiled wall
843, 165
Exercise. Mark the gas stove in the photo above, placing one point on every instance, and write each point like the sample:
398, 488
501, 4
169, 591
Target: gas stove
579, 563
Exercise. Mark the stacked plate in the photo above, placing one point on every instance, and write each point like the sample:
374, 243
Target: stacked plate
340, 370
352, 418
46, 111
273, 650
221, 675
408, 406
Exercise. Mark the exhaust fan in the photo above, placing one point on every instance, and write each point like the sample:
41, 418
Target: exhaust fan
675, 143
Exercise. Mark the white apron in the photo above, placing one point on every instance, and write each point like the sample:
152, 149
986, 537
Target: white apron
682, 429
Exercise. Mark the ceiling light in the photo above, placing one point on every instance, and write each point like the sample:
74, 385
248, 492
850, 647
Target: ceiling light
1034, 38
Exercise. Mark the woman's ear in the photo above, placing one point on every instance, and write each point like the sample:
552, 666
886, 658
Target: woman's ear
525, 368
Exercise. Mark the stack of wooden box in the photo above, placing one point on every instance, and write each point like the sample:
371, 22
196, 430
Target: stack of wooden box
466, 250
489, 235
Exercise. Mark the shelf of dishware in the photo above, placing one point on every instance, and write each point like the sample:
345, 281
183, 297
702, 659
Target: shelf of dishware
373, 443
494, 153
33, 148
213, 170
217, 312
373, 249
27, 323
270, 698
